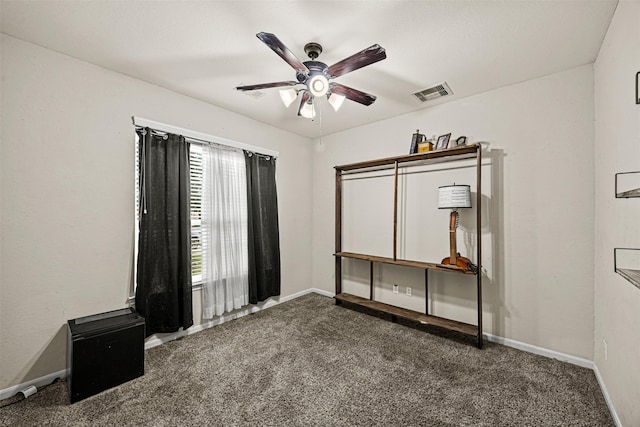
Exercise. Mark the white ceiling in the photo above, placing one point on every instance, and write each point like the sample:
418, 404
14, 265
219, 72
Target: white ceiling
204, 49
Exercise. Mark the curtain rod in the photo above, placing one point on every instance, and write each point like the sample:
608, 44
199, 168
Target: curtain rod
139, 121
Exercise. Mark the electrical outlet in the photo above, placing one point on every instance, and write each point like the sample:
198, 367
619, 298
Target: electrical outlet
395, 289
606, 350
408, 291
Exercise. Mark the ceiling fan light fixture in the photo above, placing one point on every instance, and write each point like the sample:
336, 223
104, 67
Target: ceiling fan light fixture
336, 101
318, 85
308, 111
288, 96
315, 75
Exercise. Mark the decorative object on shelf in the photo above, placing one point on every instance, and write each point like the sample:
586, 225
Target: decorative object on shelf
460, 141
425, 147
627, 185
637, 84
314, 76
626, 262
443, 141
416, 139
455, 197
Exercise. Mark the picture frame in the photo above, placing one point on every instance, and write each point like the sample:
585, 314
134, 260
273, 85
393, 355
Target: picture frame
416, 139
462, 140
443, 141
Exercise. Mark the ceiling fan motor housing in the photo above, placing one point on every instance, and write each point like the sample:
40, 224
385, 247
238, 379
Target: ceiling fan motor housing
317, 80
314, 67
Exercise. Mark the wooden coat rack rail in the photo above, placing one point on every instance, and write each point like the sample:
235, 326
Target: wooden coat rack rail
413, 318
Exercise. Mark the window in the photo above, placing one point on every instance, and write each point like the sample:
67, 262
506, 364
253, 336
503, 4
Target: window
196, 176
218, 225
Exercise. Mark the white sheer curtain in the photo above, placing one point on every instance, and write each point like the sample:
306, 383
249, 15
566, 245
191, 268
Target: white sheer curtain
224, 231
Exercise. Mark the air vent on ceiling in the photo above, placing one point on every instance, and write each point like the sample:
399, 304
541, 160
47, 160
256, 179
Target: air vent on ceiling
437, 91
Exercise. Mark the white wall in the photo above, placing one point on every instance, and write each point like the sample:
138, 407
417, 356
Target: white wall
538, 226
617, 149
67, 196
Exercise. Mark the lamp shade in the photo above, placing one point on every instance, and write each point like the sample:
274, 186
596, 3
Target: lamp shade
454, 196
336, 101
307, 110
288, 96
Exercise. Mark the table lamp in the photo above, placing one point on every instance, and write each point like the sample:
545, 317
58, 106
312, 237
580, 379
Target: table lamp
455, 197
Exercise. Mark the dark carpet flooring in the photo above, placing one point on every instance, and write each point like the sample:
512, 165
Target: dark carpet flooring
308, 362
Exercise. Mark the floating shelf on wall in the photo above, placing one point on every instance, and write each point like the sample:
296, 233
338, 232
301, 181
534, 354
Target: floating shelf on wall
627, 185
626, 262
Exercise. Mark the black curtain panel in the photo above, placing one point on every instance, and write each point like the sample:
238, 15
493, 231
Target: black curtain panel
263, 231
163, 291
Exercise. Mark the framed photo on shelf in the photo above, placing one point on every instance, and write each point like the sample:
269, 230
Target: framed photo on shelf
443, 141
416, 139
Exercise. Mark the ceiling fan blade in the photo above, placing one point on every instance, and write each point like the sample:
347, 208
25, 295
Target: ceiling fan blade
266, 85
305, 97
353, 94
283, 52
361, 59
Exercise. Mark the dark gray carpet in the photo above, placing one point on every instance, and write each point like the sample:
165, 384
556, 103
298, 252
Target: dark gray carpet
308, 362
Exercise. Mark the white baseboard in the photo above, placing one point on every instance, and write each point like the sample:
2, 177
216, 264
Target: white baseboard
540, 351
321, 292
38, 382
607, 398
48, 379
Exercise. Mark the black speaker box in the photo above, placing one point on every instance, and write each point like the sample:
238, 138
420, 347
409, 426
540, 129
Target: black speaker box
103, 351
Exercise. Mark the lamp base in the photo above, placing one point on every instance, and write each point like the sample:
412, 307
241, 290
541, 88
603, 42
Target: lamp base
460, 262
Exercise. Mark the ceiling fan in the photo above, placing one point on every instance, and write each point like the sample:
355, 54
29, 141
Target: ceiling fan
316, 76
